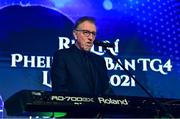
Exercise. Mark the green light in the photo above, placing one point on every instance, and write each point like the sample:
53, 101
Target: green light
51, 114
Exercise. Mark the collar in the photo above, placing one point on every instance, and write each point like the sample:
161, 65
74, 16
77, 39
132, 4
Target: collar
77, 50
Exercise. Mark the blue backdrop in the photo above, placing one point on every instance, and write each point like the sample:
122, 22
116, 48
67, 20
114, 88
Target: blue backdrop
146, 34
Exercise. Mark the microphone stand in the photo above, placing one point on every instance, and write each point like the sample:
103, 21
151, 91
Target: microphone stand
161, 107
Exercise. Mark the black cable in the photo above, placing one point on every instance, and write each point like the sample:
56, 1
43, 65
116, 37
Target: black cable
144, 89
52, 116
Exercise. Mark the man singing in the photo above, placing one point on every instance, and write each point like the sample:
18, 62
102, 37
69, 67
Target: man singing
76, 70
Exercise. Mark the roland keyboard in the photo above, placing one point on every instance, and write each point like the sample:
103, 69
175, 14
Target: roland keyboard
26, 102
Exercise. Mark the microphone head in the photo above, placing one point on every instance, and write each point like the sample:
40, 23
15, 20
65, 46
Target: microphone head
103, 44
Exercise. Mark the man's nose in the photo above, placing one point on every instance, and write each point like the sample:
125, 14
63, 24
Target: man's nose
91, 37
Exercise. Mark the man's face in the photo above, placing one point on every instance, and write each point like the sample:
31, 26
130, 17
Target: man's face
85, 35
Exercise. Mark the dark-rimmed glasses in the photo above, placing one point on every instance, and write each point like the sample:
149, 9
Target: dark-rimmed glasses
87, 32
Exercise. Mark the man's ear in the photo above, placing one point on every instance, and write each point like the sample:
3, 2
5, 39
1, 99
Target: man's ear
74, 34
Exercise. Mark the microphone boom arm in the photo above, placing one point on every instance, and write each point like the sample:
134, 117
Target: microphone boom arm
161, 107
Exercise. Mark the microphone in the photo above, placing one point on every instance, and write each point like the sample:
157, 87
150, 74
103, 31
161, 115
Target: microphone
103, 44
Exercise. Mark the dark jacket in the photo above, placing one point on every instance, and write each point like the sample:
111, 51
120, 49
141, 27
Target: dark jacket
78, 72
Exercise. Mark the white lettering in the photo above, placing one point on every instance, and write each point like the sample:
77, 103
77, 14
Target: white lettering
168, 65
31, 61
144, 61
48, 62
115, 80
45, 79
109, 63
112, 101
64, 42
128, 64
99, 51
118, 66
40, 62
16, 58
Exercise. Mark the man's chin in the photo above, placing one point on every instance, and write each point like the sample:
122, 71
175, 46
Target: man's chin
87, 49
